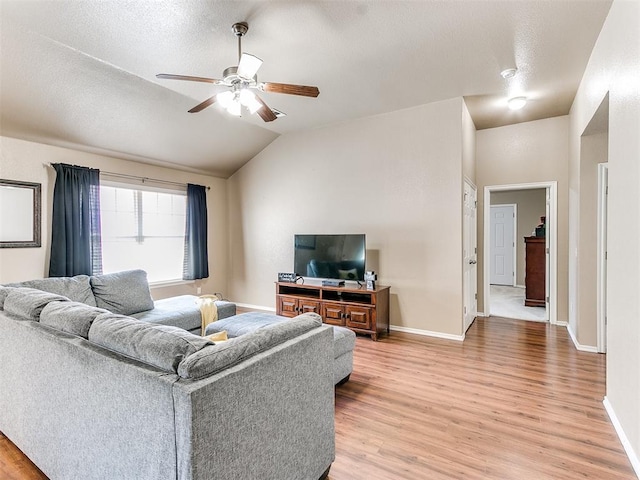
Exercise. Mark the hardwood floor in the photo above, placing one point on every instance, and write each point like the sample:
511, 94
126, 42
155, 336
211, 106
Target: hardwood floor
515, 400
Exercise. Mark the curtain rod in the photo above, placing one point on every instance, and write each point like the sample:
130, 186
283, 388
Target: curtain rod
142, 179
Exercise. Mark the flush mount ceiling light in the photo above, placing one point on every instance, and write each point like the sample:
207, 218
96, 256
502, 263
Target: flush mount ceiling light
242, 82
516, 103
508, 73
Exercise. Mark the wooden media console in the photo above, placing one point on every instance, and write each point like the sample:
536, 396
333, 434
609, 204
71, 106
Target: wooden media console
357, 308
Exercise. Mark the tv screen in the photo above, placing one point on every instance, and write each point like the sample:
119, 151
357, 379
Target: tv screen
330, 256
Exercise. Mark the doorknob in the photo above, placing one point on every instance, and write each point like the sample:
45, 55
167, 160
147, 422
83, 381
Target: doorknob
472, 262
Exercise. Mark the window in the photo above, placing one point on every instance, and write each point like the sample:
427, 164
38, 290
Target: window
143, 228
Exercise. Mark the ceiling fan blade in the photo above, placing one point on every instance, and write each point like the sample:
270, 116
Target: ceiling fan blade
203, 105
289, 89
170, 76
265, 112
248, 66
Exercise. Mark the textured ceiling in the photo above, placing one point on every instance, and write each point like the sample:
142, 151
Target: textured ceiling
82, 73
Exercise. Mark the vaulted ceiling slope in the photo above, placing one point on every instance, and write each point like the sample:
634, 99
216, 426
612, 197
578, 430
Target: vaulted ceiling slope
82, 73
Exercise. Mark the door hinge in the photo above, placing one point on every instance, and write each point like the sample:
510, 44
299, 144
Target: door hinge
465, 310
476, 296
606, 255
547, 299
475, 204
475, 250
547, 250
606, 190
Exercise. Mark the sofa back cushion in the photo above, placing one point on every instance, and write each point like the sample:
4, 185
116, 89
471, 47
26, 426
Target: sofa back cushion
29, 302
223, 355
158, 345
76, 289
4, 291
71, 317
122, 292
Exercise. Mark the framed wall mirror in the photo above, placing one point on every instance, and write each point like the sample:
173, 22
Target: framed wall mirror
19, 214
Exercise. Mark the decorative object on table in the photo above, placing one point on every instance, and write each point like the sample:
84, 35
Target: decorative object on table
19, 214
287, 277
541, 229
208, 309
370, 277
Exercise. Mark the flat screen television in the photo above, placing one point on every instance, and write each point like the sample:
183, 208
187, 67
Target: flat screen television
330, 256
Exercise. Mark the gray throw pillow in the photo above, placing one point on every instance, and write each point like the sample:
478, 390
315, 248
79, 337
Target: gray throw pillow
160, 345
29, 302
122, 292
70, 317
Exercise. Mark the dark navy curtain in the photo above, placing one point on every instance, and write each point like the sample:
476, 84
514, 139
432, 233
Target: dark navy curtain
196, 257
76, 247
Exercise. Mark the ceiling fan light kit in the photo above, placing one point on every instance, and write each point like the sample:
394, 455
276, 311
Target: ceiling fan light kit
242, 80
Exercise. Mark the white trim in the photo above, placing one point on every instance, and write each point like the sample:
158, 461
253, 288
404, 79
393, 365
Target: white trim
582, 348
633, 457
256, 307
552, 240
427, 333
481, 314
169, 283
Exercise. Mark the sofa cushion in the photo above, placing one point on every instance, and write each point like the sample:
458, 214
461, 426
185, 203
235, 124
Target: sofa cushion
70, 317
223, 355
76, 289
180, 311
29, 302
158, 345
122, 292
344, 341
245, 323
4, 291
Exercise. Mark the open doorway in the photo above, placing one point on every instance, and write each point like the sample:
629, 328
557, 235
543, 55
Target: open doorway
536, 219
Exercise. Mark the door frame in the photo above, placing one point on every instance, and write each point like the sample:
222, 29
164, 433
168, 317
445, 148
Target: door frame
601, 277
473, 313
514, 250
551, 241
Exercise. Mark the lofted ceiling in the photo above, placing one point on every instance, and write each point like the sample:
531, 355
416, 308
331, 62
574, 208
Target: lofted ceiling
81, 73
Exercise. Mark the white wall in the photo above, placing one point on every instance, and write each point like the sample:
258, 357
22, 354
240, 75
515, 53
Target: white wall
614, 67
527, 152
395, 177
28, 161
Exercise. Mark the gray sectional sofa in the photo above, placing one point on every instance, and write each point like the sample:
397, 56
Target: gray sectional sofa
88, 393
127, 293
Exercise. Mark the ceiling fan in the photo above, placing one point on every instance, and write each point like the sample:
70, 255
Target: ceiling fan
241, 81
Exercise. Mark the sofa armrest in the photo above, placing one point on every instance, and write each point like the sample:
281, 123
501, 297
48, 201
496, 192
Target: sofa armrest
270, 416
225, 309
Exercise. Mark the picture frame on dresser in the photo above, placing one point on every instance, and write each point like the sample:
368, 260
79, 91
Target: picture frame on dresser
20, 214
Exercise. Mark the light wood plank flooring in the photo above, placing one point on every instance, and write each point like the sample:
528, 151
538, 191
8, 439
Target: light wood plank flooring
515, 400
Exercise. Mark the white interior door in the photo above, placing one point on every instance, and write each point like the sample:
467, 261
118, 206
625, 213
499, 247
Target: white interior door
603, 197
502, 251
470, 255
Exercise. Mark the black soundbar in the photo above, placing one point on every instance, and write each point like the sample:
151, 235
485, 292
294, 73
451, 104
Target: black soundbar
333, 283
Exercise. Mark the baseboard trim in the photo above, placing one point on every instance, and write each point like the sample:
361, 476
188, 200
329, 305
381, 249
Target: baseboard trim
256, 307
633, 457
582, 348
427, 333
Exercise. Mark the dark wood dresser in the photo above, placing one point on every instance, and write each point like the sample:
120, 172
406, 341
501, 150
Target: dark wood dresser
535, 271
